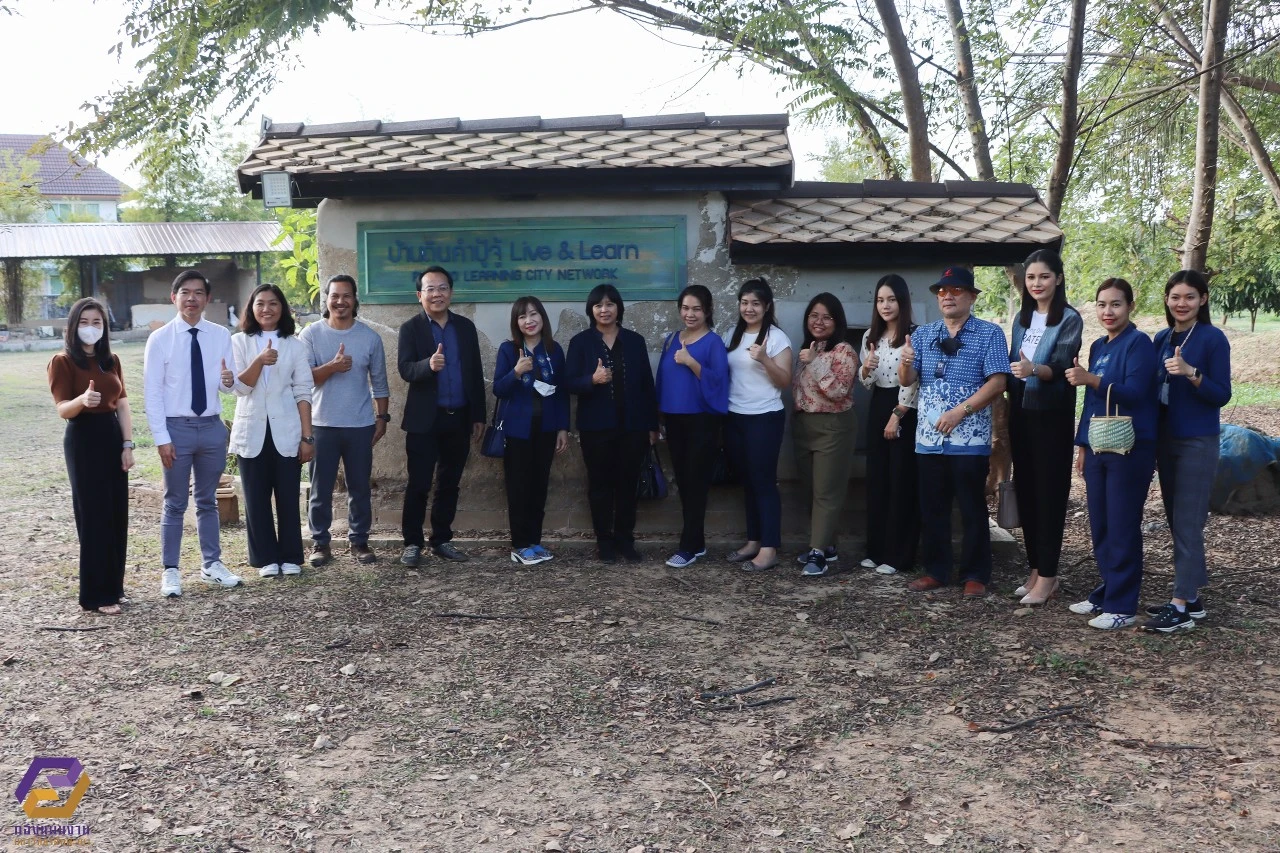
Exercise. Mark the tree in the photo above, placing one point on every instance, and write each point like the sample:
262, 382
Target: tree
20, 201
199, 188
1195, 247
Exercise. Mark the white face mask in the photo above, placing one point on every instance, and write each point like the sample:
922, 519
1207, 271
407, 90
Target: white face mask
89, 334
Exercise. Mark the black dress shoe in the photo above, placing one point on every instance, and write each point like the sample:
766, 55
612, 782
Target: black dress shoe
448, 552
630, 554
606, 553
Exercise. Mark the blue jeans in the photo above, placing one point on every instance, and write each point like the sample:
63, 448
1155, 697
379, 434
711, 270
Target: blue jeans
753, 443
200, 448
1117, 488
354, 447
1187, 467
944, 477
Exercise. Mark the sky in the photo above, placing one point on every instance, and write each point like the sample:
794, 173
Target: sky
585, 64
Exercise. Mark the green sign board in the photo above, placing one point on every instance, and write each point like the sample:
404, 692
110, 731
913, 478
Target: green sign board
499, 260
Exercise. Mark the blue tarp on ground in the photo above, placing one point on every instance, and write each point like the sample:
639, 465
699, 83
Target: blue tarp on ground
1244, 455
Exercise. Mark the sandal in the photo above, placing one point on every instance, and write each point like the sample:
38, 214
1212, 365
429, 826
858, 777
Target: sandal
753, 566
110, 610
739, 557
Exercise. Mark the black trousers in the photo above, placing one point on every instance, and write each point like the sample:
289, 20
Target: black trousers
613, 458
100, 499
893, 511
526, 467
440, 454
264, 477
963, 479
1042, 443
694, 441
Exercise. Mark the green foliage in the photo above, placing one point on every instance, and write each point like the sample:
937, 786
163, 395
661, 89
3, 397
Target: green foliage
198, 188
300, 270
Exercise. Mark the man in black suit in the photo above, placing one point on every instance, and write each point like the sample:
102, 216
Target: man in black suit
445, 410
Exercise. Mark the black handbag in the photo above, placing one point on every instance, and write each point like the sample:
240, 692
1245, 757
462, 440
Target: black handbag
494, 443
653, 483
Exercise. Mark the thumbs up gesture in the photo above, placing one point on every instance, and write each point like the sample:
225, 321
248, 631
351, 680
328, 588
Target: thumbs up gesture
873, 359
908, 351
602, 374
341, 361
1177, 366
809, 353
437, 359
228, 378
269, 355
91, 397
524, 364
683, 356
1077, 375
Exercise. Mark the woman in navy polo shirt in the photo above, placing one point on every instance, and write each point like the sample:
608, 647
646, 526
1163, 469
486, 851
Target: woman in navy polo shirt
608, 368
1193, 375
1122, 361
535, 415
693, 396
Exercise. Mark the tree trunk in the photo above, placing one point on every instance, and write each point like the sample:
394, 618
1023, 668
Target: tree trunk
909, 84
1061, 174
978, 138
14, 292
1195, 247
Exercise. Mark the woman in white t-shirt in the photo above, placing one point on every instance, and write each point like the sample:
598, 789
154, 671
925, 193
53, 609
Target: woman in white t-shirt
759, 368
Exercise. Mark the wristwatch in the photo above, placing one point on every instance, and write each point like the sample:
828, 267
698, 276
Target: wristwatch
1195, 373
968, 409
128, 445
385, 417
308, 439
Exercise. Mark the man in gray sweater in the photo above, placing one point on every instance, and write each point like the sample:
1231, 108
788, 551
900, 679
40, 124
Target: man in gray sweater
348, 414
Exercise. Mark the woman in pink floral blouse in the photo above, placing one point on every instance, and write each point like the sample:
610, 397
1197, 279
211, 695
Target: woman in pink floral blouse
824, 426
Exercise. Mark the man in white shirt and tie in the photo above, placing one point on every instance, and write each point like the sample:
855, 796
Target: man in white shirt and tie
184, 369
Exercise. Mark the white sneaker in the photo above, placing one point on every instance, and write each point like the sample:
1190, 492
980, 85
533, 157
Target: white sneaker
171, 583
290, 569
217, 574
1084, 608
270, 571
886, 569
1112, 621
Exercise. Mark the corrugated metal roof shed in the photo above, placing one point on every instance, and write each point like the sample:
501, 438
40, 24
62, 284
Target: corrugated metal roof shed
61, 173
140, 239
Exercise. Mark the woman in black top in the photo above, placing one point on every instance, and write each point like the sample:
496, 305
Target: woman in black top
608, 368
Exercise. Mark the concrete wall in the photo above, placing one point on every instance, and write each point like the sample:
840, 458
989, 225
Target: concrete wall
483, 499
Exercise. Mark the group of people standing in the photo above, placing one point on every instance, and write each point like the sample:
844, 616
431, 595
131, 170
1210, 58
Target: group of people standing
321, 397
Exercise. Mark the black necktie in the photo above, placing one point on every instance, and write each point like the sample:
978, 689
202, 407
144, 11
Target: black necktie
198, 399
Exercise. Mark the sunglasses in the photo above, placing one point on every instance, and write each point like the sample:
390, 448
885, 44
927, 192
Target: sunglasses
952, 291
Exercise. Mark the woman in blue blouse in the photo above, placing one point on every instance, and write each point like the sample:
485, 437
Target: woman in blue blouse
1193, 374
535, 416
1122, 362
1042, 415
608, 368
693, 396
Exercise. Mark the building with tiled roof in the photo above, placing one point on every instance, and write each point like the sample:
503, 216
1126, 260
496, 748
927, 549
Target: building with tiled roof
553, 207
70, 184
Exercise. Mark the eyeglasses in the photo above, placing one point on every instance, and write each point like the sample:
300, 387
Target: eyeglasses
820, 318
435, 291
952, 291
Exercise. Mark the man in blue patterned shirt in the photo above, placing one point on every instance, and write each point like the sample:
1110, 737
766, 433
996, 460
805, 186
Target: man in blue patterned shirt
962, 364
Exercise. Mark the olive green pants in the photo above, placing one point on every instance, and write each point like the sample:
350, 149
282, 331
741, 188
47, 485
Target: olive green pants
824, 456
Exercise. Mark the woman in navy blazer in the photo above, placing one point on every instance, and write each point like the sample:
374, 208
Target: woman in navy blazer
608, 368
1193, 374
1122, 362
534, 409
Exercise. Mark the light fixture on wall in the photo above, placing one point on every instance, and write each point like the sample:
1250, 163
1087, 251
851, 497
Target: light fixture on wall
277, 189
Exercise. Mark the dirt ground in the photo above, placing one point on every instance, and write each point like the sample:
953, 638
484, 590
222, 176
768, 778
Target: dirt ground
484, 707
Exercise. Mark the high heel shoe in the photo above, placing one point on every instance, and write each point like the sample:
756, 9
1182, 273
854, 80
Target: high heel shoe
1021, 591
1034, 600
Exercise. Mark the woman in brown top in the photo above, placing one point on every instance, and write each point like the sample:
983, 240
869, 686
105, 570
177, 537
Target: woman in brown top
88, 387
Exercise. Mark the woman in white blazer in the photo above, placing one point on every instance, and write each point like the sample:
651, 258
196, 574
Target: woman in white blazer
271, 434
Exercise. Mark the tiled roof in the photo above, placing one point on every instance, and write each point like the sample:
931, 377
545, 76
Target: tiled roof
61, 172
681, 142
883, 212
139, 239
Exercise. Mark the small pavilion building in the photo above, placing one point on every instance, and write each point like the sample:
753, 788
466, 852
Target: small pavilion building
553, 207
